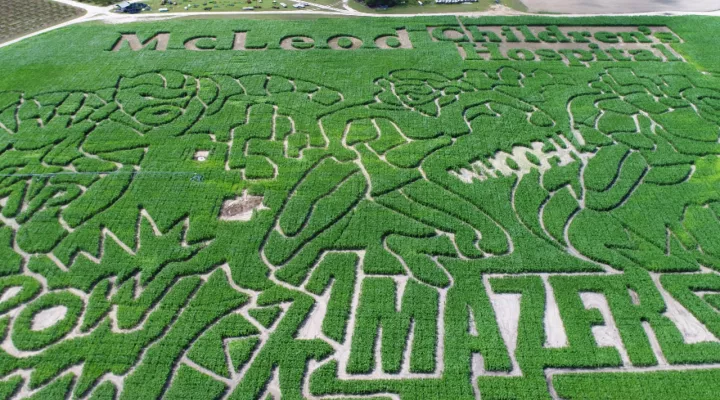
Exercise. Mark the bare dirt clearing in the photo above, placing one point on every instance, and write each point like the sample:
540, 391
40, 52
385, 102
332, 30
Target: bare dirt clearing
620, 6
240, 208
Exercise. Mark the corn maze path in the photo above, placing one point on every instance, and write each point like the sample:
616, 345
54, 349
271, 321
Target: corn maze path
498, 232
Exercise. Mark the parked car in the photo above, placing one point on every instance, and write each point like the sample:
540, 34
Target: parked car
132, 8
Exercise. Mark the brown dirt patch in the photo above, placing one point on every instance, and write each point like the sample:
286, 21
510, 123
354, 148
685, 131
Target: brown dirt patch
619, 6
240, 208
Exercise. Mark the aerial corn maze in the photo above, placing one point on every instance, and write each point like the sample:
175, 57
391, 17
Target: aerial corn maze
427, 208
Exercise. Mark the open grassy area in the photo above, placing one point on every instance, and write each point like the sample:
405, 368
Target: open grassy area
274, 17
229, 5
384, 208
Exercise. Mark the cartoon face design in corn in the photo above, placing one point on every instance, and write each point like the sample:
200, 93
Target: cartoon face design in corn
389, 143
73, 157
140, 193
631, 184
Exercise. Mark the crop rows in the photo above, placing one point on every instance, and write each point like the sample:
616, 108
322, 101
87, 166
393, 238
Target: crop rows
500, 231
21, 17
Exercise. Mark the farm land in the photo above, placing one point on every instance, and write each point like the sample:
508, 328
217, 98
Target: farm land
406, 208
20, 17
